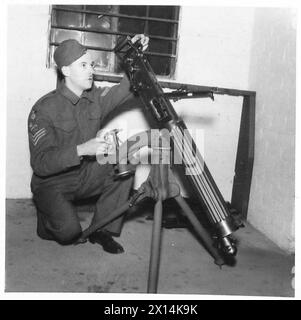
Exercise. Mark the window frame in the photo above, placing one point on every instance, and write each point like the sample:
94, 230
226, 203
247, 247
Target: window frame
106, 74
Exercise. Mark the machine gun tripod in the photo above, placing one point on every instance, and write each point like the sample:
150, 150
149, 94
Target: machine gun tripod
159, 186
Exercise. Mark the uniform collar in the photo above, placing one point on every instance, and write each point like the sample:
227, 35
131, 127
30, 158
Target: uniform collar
66, 92
88, 94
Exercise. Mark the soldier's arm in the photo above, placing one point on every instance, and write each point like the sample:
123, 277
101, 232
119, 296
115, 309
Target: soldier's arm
111, 97
46, 157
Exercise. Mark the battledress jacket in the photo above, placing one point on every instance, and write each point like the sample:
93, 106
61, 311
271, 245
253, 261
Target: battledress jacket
60, 121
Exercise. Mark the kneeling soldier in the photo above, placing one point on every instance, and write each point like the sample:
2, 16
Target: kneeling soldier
62, 129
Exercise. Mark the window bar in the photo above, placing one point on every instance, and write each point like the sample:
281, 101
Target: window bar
174, 44
119, 15
146, 22
114, 26
83, 35
171, 56
85, 29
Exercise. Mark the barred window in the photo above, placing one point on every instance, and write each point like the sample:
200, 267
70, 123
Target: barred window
100, 27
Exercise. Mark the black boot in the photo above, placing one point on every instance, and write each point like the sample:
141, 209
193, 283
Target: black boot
105, 239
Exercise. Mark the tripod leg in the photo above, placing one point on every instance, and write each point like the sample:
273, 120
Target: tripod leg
200, 230
116, 213
155, 249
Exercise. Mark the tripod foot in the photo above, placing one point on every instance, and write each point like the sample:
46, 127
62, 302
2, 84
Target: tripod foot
218, 259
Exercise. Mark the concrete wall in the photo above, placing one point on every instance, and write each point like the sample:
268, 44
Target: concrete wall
219, 47
272, 75
27, 80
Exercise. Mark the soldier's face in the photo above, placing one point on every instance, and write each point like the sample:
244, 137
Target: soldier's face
79, 74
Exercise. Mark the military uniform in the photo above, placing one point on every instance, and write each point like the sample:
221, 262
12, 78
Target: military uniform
58, 122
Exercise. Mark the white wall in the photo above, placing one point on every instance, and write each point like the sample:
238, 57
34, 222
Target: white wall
272, 76
223, 47
214, 46
27, 80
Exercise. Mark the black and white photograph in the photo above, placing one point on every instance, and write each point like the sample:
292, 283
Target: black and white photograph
150, 149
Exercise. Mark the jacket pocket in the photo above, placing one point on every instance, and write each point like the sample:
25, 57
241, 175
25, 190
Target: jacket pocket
65, 125
95, 113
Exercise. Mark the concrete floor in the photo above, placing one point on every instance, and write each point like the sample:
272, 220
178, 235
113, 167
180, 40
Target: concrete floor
35, 265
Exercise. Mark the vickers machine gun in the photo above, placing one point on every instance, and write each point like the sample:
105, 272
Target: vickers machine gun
160, 184
156, 102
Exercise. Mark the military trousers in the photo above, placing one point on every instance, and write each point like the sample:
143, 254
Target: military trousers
57, 217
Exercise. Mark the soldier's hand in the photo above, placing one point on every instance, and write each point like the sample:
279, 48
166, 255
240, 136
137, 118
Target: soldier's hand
143, 40
93, 147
